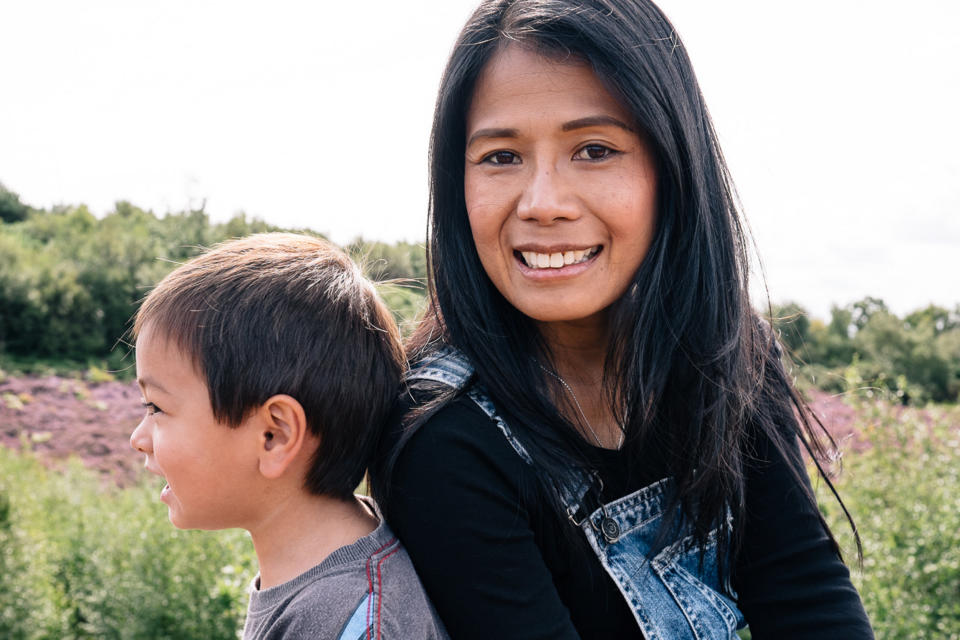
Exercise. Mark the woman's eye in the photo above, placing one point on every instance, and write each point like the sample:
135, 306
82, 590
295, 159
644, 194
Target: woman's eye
151, 408
502, 157
593, 152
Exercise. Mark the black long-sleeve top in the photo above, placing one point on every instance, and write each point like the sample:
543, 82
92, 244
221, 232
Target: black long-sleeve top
497, 565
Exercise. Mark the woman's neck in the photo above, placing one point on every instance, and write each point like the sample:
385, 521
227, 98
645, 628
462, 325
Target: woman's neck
579, 352
578, 349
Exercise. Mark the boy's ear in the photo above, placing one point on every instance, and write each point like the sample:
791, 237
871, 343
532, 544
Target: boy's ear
283, 434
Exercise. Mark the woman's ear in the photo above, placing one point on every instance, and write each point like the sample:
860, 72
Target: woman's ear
283, 434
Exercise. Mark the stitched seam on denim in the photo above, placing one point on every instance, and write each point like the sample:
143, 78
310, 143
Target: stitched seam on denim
709, 594
447, 366
437, 375
616, 574
681, 604
486, 405
686, 543
649, 504
646, 498
667, 555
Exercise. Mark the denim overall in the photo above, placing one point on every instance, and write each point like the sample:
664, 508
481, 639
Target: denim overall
673, 596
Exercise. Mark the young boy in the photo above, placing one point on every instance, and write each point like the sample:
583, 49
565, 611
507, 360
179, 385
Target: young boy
267, 367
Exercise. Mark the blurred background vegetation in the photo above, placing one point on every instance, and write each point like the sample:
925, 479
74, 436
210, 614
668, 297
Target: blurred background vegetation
82, 559
70, 281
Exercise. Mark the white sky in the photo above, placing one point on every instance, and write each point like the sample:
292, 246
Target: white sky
839, 119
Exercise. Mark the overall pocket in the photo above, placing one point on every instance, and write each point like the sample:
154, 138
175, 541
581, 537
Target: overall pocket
673, 595
696, 588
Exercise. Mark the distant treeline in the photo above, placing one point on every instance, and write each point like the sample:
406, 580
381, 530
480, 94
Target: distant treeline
69, 283
866, 346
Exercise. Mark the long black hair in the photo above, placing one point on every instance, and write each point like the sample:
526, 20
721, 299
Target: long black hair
690, 369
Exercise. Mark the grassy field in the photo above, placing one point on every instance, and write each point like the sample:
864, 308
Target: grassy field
84, 559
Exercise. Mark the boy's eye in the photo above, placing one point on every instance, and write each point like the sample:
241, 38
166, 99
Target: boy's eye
594, 152
151, 408
502, 157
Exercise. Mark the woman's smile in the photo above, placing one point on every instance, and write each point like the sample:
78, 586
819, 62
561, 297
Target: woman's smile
560, 186
552, 265
557, 258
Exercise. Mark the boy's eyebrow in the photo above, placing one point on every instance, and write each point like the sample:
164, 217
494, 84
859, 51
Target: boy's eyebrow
146, 381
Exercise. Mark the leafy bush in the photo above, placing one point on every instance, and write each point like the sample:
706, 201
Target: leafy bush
905, 495
70, 282
81, 560
917, 357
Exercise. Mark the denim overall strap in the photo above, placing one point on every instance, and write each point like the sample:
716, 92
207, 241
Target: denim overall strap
672, 593
451, 368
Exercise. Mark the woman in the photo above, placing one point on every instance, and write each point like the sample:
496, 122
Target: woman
599, 439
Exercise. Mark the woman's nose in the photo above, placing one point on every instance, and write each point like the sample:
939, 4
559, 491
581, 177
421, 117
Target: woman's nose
547, 198
140, 438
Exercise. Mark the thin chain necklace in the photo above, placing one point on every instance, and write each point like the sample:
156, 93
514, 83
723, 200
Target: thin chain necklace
580, 409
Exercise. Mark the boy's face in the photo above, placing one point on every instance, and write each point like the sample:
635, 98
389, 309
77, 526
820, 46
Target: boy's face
208, 466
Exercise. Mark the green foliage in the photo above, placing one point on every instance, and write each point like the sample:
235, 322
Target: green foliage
70, 282
381, 261
905, 495
406, 302
11, 209
81, 560
917, 358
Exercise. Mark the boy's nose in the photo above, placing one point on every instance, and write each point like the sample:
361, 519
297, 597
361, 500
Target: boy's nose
140, 438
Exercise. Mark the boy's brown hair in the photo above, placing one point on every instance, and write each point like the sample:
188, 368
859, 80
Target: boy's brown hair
287, 314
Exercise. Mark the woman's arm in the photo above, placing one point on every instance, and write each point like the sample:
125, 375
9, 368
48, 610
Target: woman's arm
790, 582
455, 503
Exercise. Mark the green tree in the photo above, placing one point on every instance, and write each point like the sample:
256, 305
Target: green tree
11, 209
862, 310
937, 318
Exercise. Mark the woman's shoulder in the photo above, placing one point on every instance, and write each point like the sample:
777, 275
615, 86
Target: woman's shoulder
458, 436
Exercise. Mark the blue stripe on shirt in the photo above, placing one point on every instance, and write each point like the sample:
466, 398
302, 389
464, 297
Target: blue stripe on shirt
356, 626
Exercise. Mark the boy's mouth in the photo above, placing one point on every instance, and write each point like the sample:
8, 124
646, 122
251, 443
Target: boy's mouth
556, 259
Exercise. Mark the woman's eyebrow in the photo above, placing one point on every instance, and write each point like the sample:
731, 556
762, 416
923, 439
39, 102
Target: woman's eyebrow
595, 121
579, 123
492, 133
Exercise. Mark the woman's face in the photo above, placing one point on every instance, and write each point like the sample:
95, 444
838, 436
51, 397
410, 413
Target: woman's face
560, 186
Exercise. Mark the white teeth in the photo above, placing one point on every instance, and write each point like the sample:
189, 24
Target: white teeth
556, 260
